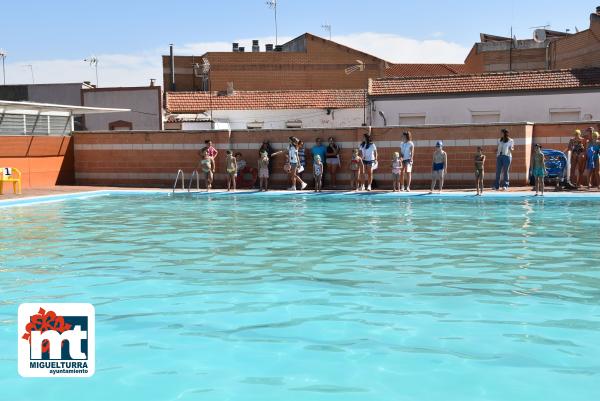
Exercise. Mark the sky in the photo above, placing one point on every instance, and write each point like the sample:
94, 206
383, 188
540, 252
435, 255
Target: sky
52, 38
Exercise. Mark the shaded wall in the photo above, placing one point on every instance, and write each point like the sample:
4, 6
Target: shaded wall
44, 161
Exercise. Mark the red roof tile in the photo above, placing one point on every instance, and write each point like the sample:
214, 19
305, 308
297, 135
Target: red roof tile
488, 82
196, 102
423, 70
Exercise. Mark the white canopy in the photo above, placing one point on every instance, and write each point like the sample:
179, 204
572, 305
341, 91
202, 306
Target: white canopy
48, 109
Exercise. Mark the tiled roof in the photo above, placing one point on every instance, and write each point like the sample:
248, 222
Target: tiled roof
196, 102
489, 82
423, 70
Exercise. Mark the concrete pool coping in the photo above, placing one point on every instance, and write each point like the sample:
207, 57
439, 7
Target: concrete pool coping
417, 194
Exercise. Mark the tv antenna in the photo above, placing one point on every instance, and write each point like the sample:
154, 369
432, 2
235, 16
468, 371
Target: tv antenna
327, 28
3, 54
93, 60
272, 4
359, 66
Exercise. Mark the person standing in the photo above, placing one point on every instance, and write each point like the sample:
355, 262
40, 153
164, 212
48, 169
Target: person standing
268, 149
439, 168
333, 161
302, 157
479, 170
592, 168
294, 160
539, 170
369, 157
319, 150
231, 164
577, 147
407, 153
318, 173
506, 145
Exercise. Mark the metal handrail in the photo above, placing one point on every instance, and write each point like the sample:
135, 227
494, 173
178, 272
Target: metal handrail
194, 173
179, 172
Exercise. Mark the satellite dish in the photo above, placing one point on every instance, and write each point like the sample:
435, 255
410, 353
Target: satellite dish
539, 35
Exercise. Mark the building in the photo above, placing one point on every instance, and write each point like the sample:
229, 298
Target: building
144, 104
331, 108
546, 50
534, 96
62, 93
29, 118
579, 50
497, 53
307, 62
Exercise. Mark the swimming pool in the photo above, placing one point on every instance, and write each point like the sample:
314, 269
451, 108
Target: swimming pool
253, 297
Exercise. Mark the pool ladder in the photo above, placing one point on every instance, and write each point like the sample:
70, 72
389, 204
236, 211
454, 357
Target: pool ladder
179, 173
194, 173
182, 175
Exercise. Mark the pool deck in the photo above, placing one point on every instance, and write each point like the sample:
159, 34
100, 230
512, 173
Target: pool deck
58, 193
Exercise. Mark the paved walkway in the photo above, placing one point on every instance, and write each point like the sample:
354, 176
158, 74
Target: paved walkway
63, 190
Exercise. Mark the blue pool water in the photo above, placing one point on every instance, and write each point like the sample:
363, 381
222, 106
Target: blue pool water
263, 298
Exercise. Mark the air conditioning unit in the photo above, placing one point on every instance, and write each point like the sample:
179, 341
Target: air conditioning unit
293, 124
255, 124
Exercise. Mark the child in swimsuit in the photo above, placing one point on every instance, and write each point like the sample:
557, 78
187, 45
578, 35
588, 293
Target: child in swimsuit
207, 165
593, 158
231, 164
396, 168
479, 167
318, 173
356, 166
539, 169
263, 170
440, 163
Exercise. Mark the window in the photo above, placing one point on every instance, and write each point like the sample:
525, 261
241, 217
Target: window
255, 124
120, 125
565, 114
412, 119
485, 117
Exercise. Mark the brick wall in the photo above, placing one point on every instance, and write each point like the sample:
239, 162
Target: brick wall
44, 161
320, 67
579, 50
152, 158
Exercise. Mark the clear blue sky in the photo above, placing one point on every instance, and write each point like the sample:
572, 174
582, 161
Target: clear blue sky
65, 29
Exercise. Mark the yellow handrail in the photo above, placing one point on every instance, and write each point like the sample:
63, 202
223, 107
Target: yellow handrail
14, 176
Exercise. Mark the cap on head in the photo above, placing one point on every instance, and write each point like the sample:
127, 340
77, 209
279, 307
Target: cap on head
317, 158
439, 144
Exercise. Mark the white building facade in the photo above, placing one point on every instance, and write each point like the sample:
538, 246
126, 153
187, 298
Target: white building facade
489, 100
266, 109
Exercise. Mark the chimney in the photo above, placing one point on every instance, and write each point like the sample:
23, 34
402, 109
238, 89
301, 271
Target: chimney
269, 47
230, 90
241, 49
152, 80
598, 10
255, 46
279, 48
172, 67
235, 47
